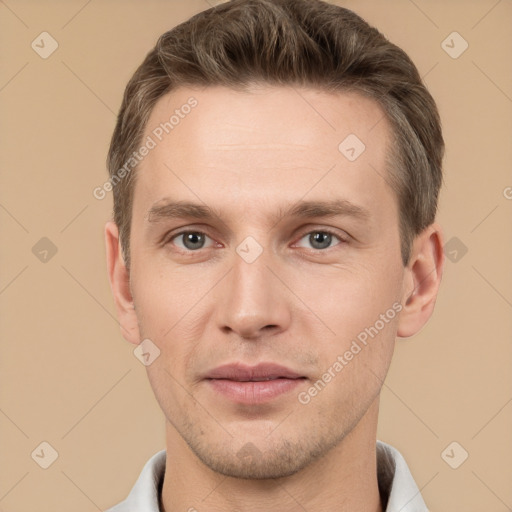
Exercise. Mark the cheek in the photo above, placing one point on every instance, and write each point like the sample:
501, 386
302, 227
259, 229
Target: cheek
361, 309
172, 312
350, 299
163, 297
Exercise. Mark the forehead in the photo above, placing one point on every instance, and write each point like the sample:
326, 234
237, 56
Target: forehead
265, 114
266, 142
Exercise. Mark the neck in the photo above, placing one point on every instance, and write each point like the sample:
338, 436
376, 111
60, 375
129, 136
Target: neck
344, 480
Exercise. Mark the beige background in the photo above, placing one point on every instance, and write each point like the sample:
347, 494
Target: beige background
70, 379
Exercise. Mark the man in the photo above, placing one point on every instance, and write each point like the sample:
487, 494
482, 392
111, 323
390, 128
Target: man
275, 168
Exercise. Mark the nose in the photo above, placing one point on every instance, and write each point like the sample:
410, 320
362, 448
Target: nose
253, 301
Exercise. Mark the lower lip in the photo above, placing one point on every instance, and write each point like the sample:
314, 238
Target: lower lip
252, 392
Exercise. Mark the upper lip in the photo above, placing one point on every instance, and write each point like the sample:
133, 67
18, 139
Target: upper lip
242, 372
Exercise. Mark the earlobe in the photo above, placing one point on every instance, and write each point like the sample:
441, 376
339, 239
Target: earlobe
422, 281
119, 278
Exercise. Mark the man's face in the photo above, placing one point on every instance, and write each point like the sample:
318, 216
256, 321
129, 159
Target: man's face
207, 299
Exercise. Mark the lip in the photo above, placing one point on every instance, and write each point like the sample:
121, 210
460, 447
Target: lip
241, 372
244, 384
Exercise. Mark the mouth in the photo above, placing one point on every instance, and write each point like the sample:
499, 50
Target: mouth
244, 373
262, 379
253, 385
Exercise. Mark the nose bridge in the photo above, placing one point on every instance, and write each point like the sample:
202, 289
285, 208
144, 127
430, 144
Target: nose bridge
253, 299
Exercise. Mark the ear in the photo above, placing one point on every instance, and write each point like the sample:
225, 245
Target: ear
119, 278
421, 281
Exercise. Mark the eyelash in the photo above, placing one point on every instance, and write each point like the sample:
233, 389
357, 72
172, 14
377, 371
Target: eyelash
341, 239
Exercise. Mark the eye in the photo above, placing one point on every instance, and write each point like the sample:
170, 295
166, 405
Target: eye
191, 240
320, 239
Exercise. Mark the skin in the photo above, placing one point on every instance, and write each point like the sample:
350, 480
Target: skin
250, 155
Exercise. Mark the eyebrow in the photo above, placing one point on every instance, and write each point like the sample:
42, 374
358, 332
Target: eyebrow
168, 209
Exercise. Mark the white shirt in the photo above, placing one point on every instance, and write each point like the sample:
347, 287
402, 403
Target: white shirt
398, 489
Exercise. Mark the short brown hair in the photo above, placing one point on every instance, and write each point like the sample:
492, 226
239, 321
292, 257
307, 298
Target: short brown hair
306, 43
